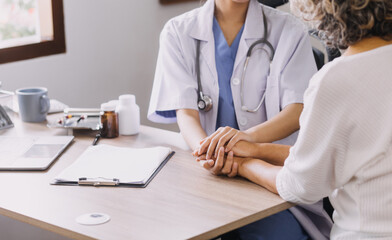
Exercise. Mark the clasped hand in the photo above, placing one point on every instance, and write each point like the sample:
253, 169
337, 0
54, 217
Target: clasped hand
223, 164
226, 137
221, 152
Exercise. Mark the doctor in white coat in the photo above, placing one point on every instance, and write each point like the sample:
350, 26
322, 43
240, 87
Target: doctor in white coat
283, 81
277, 85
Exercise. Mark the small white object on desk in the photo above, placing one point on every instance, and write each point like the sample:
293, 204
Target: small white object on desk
56, 106
93, 218
86, 111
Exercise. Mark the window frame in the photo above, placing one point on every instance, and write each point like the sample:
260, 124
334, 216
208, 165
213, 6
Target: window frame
45, 48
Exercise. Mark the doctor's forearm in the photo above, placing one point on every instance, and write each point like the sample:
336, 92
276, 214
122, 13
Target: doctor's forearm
282, 125
189, 123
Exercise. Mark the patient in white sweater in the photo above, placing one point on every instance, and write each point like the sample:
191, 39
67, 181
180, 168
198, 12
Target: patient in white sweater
344, 147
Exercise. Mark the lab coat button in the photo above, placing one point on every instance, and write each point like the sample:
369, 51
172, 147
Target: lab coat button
243, 121
235, 81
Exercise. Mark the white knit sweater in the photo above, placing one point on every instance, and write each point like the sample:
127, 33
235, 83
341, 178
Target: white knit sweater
344, 148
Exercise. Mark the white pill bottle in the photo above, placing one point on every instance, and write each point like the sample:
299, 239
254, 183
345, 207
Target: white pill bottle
128, 115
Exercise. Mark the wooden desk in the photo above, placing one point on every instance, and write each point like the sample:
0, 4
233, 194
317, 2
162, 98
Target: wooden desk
182, 202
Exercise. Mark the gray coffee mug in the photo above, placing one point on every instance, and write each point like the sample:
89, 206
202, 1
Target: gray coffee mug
33, 104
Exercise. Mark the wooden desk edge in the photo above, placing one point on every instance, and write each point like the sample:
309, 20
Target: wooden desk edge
44, 225
243, 221
207, 235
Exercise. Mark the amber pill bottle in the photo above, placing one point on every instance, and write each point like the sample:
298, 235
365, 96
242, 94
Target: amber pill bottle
109, 121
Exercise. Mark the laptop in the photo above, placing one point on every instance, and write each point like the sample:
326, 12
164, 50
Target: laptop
31, 153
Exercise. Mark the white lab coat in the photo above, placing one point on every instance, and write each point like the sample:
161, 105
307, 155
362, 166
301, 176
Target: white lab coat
285, 81
175, 84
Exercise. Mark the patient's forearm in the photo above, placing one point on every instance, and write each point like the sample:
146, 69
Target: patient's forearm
260, 172
275, 154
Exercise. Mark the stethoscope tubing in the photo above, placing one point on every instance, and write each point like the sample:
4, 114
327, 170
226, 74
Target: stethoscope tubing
199, 87
264, 40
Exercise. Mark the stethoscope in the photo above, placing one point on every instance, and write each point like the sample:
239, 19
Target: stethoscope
204, 102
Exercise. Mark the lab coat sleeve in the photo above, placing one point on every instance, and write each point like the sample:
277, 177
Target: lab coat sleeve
299, 69
318, 156
174, 85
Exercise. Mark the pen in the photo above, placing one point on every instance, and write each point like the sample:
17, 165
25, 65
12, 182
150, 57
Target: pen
96, 139
82, 117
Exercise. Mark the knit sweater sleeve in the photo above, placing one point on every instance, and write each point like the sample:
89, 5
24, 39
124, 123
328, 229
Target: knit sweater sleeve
310, 169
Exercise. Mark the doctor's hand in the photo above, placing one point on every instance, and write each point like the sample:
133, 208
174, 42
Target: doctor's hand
223, 136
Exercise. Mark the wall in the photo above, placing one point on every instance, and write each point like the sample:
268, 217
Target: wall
111, 50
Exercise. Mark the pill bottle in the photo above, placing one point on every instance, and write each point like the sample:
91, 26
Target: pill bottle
128, 115
109, 121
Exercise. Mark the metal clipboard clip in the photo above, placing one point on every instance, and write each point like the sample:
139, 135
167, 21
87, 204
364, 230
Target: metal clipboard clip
99, 181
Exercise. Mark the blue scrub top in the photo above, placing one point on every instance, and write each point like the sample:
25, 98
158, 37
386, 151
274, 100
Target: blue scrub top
271, 227
224, 60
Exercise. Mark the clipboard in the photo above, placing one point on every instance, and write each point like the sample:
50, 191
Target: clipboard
127, 168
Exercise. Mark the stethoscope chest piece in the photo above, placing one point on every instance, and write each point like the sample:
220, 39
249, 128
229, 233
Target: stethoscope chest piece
204, 103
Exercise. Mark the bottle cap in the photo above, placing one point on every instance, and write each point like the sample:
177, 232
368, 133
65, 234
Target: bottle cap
127, 99
108, 106
115, 102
